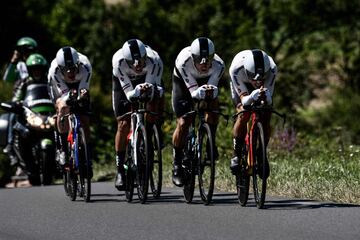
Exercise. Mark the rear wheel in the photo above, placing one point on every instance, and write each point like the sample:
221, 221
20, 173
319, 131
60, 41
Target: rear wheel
129, 174
71, 184
243, 179
156, 163
206, 164
143, 166
189, 170
85, 166
259, 155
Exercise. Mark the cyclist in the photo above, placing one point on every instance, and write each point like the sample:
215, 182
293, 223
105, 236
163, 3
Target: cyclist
37, 68
16, 69
15, 72
196, 68
134, 65
70, 71
252, 75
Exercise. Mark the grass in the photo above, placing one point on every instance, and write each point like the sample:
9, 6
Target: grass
313, 168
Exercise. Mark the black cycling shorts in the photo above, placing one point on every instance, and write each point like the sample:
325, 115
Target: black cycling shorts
120, 103
182, 101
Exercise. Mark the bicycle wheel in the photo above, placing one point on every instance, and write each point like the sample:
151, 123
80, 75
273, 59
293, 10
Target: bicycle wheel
206, 164
142, 162
71, 184
243, 179
156, 163
189, 169
259, 155
129, 174
84, 165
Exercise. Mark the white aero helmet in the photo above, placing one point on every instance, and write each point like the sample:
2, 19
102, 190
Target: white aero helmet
256, 64
134, 52
67, 58
202, 50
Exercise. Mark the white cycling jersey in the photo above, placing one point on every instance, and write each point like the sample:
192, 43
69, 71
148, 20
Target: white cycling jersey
185, 69
126, 75
59, 86
239, 78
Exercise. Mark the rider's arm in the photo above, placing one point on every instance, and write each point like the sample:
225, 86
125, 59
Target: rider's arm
270, 81
56, 80
218, 68
85, 71
20, 90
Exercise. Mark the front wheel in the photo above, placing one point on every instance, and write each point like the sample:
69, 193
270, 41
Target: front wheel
206, 164
142, 163
259, 171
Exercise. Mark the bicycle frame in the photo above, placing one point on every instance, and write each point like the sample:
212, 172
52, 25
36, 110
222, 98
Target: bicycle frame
72, 138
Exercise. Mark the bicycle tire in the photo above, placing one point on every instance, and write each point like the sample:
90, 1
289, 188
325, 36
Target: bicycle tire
259, 155
129, 174
84, 165
206, 163
243, 179
156, 163
143, 163
72, 184
189, 170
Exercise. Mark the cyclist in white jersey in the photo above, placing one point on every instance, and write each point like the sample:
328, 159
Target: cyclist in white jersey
196, 67
70, 71
252, 73
134, 66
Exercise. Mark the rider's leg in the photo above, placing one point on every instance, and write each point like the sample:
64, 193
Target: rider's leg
120, 106
239, 133
179, 140
213, 120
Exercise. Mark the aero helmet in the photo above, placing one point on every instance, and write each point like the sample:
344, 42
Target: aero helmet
134, 52
202, 50
67, 58
256, 64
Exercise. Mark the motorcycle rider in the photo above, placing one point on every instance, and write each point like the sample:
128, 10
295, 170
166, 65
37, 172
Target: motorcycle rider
16, 72
17, 69
252, 73
197, 68
134, 65
37, 68
69, 71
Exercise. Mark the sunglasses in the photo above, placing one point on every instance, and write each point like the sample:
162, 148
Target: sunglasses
203, 60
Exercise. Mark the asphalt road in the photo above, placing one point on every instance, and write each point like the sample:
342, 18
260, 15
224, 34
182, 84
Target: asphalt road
46, 213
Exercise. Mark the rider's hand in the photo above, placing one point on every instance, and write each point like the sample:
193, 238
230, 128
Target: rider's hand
84, 97
199, 93
268, 97
255, 94
215, 91
160, 91
15, 57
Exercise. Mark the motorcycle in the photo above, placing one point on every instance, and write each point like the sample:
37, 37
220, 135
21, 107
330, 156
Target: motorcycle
33, 130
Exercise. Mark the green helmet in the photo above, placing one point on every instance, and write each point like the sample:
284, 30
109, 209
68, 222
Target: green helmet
27, 42
36, 59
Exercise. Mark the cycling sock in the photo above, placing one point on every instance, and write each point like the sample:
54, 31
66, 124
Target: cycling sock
120, 159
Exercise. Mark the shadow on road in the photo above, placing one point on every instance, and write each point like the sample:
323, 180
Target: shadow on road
297, 204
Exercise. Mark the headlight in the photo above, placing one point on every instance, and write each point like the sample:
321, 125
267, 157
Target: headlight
34, 120
51, 121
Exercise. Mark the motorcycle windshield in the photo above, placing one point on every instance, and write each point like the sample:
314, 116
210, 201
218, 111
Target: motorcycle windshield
38, 99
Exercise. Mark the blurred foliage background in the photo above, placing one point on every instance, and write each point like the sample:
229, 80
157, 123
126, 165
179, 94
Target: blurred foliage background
315, 45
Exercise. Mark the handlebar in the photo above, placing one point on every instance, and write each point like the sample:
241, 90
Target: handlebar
260, 108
